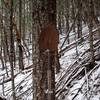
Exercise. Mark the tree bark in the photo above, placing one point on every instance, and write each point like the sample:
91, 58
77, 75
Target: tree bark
12, 51
90, 26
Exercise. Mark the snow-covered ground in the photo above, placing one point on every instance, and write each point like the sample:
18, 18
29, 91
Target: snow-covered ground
81, 89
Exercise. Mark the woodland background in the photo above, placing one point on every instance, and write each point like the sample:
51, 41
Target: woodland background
21, 71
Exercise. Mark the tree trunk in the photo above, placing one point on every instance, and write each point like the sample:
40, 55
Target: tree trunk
21, 65
43, 86
90, 26
12, 51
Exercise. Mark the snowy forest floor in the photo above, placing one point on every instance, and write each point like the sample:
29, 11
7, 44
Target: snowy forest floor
74, 82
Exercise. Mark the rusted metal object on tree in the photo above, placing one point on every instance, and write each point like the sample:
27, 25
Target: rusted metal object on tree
48, 40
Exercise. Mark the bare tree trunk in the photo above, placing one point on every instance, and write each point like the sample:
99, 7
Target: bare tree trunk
79, 19
67, 6
41, 83
1, 49
51, 7
21, 65
90, 26
35, 56
12, 51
